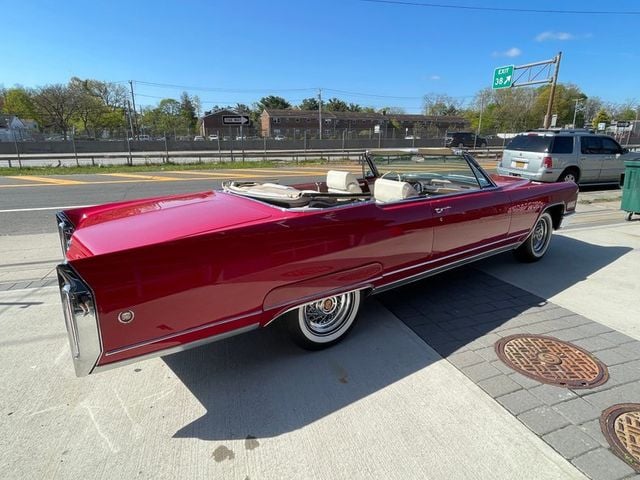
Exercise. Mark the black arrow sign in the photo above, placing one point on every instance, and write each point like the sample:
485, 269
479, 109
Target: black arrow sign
235, 119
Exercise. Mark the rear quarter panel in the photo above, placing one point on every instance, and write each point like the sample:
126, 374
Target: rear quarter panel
212, 283
530, 199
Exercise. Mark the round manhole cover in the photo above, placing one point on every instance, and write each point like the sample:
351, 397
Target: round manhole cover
621, 426
549, 360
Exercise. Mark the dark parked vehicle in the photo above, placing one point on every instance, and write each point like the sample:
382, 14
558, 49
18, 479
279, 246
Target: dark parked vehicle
465, 139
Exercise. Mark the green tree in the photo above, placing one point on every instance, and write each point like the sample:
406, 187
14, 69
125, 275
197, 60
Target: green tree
601, 117
336, 105
166, 118
310, 103
19, 101
564, 103
242, 108
188, 111
271, 102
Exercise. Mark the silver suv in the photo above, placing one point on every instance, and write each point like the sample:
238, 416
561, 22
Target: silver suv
563, 155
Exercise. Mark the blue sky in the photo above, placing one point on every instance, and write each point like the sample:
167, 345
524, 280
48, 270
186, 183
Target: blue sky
239, 51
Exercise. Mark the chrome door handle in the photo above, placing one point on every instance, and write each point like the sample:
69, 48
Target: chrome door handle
441, 209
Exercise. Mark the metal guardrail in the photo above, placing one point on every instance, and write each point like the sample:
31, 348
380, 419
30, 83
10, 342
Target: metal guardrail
160, 157
204, 156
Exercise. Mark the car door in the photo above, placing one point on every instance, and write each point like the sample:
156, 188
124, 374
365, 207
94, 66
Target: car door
612, 164
470, 221
590, 158
474, 218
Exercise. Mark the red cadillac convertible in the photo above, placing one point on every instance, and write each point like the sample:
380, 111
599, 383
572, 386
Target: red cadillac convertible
150, 277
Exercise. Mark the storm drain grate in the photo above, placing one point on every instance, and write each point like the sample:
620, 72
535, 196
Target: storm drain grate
621, 427
549, 360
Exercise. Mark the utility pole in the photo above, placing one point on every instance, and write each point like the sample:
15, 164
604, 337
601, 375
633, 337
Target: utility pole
554, 81
475, 140
135, 114
130, 120
320, 113
575, 112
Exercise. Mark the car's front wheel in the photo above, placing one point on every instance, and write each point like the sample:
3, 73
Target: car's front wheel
325, 322
537, 243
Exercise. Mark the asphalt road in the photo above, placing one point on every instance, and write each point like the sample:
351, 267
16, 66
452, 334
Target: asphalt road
28, 204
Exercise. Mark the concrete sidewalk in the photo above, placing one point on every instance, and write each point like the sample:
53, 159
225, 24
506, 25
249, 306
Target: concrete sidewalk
382, 405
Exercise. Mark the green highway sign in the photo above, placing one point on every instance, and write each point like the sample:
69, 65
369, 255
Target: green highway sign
503, 77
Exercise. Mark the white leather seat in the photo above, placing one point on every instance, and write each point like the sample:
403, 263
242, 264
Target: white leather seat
386, 190
342, 182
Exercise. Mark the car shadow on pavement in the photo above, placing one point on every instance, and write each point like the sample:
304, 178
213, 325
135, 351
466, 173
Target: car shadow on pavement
261, 385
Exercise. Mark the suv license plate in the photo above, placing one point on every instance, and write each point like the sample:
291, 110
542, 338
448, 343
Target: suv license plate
518, 164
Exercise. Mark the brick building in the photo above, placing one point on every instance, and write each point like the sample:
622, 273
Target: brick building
212, 125
298, 123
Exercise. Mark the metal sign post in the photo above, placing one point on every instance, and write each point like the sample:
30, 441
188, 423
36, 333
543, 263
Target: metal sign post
530, 74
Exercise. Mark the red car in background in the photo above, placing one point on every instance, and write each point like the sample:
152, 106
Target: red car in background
153, 276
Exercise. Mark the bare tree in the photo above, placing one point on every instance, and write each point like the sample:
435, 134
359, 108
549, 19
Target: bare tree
56, 104
441, 104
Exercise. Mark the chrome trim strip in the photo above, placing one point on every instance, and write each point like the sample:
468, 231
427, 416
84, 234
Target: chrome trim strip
179, 348
443, 268
418, 265
180, 333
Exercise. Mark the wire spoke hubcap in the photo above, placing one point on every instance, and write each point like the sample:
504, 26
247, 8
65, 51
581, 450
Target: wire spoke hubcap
328, 314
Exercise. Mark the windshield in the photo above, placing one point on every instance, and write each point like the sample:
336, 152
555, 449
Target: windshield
428, 169
530, 143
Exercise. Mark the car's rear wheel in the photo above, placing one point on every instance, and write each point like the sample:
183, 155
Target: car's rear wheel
460, 145
325, 322
536, 244
569, 175
483, 145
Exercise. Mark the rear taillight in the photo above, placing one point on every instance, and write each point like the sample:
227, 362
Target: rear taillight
547, 162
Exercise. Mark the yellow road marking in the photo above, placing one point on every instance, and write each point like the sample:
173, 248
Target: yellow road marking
141, 177
197, 176
50, 181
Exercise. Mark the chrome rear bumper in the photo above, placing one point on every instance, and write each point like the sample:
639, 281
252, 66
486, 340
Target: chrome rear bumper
81, 320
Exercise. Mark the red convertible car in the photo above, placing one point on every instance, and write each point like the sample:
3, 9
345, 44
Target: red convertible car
150, 277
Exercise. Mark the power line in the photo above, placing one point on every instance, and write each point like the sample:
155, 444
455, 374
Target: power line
227, 90
503, 9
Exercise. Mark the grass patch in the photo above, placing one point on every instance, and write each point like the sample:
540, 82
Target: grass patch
149, 167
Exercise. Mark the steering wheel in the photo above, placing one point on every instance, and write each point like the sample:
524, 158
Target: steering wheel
397, 174
417, 186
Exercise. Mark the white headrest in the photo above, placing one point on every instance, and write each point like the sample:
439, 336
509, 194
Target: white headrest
386, 190
338, 181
